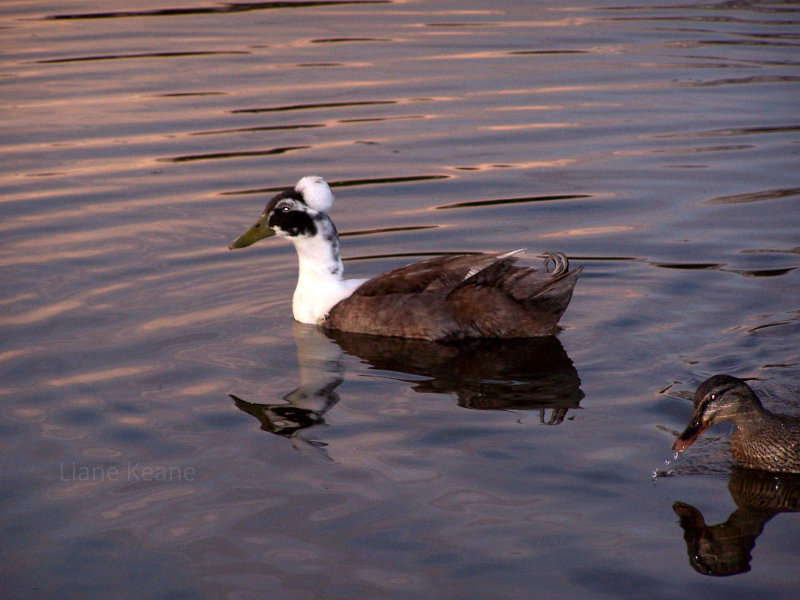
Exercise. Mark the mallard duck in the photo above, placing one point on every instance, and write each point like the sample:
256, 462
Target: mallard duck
442, 298
762, 439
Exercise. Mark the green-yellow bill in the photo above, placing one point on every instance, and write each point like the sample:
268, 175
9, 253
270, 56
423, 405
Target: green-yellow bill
258, 231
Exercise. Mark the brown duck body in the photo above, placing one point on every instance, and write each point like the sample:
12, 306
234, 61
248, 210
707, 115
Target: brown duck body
455, 297
762, 439
767, 441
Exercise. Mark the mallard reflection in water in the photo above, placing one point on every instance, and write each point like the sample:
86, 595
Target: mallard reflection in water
724, 549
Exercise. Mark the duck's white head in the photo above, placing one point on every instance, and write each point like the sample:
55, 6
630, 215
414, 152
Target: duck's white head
292, 213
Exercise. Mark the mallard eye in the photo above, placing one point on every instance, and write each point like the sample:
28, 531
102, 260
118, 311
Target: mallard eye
284, 208
713, 397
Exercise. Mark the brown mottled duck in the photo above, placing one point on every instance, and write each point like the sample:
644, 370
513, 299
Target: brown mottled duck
762, 439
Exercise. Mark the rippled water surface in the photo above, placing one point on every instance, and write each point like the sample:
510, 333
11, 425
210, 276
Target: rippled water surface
167, 431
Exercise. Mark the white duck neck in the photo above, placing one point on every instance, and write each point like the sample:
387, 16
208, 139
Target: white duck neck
319, 283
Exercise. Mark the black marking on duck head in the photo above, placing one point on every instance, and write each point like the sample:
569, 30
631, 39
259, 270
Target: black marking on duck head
290, 194
281, 419
290, 215
262, 228
293, 223
722, 397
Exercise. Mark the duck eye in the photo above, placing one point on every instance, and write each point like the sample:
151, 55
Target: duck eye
713, 396
285, 208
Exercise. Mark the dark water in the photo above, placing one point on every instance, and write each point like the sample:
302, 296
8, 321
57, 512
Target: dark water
655, 143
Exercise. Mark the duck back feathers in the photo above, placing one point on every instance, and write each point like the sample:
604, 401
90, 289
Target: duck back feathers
770, 442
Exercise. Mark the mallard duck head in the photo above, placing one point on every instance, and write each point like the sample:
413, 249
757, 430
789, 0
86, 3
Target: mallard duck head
718, 398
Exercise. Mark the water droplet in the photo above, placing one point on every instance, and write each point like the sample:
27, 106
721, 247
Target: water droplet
665, 471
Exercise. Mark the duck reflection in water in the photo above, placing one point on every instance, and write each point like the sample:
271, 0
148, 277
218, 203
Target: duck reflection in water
304, 408
724, 549
524, 374
494, 374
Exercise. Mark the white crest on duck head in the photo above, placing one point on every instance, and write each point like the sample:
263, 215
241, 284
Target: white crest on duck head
316, 192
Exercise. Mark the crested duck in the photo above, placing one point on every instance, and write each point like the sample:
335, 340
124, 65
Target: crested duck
442, 298
762, 439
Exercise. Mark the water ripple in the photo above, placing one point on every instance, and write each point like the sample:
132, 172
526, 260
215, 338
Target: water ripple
228, 7
312, 106
381, 230
500, 201
344, 40
346, 183
760, 130
259, 128
236, 154
759, 196
139, 56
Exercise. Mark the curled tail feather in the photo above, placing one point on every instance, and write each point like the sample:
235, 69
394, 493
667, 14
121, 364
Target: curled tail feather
558, 260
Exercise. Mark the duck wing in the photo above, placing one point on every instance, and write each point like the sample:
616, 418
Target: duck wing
437, 274
409, 301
